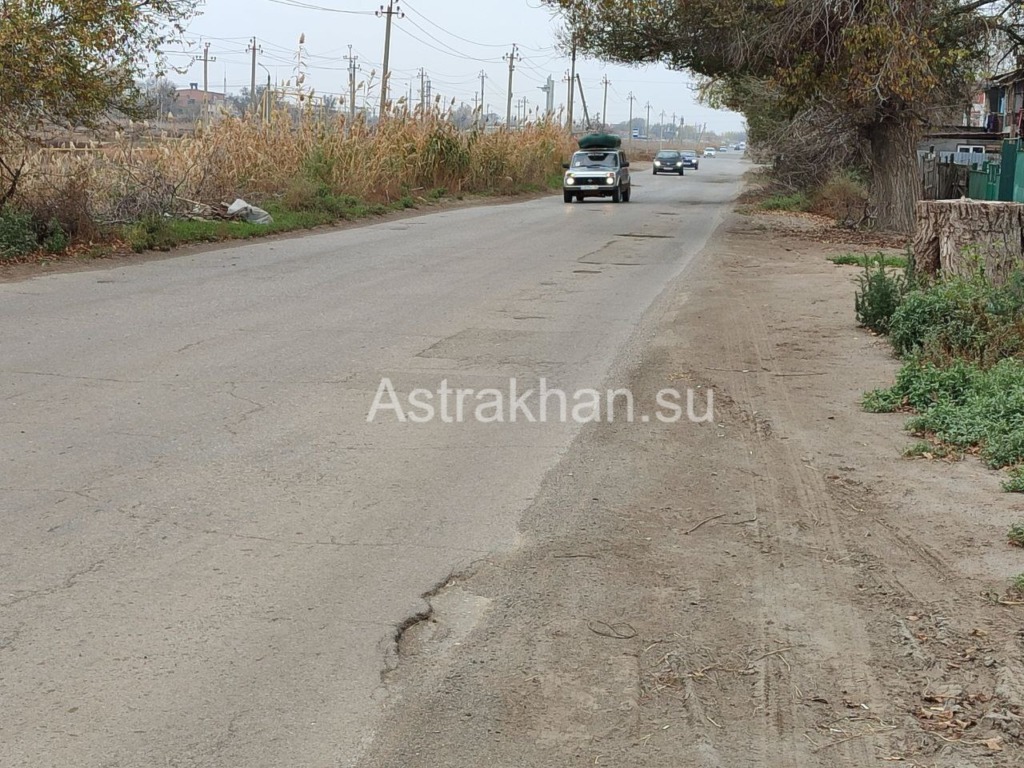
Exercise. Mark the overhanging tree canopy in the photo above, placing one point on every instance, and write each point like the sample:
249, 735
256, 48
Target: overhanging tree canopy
72, 62
883, 66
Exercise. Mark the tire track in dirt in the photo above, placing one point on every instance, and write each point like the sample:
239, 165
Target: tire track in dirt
797, 524
846, 520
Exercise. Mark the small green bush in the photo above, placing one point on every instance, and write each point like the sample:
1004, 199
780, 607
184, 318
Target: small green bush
878, 296
966, 318
797, 201
963, 405
56, 239
1016, 533
17, 233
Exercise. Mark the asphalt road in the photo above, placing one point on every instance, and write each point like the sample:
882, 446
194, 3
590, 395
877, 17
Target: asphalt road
206, 547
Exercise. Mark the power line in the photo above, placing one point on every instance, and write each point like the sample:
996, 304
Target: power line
456, 55
452, 34
314, 7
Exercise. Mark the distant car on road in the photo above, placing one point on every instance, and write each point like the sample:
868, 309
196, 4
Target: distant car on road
690, 159
723, 149
668, 161
709, 152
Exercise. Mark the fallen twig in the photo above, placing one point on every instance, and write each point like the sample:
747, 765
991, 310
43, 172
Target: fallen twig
764, 656
702, 522
620, 631
872, 732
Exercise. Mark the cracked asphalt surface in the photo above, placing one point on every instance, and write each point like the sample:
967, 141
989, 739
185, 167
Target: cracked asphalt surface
207, 549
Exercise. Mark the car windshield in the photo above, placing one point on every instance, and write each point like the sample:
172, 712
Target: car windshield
689, 152
667, 155
595, 160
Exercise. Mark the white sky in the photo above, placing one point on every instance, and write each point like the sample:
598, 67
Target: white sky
453, 40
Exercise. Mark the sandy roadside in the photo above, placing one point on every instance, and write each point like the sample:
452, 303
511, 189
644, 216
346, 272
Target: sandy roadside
778, 588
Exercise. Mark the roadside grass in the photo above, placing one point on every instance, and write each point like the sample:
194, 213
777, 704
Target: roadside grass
1015, 482
1017, 583
888, 260
962, 380
962, 406
163, 233
300, 208
304, 170
1016, 534
880, 291
925, 450
795, 202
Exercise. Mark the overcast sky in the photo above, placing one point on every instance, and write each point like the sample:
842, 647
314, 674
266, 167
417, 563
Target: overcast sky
452, 40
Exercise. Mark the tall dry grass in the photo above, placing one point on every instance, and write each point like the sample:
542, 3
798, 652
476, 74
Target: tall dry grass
286, 158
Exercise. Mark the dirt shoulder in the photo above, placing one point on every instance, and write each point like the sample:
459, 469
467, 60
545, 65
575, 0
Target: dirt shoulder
778, 588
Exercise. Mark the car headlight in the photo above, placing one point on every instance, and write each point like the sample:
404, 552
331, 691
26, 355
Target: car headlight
680, 162
657, 162
570, 180
610, 179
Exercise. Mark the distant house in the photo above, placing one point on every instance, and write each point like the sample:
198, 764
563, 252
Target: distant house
1001, 105
190, 101
994, 114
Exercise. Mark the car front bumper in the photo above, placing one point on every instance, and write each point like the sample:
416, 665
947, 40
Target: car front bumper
591, 187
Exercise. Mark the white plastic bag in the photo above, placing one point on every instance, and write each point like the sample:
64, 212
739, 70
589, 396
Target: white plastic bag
242, 210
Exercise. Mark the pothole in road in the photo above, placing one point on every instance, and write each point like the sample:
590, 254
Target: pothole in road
587, 271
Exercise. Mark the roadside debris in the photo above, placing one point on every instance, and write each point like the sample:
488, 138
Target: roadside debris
239, 210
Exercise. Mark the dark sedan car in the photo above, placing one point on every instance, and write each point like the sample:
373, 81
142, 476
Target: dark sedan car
668, 161
689, 158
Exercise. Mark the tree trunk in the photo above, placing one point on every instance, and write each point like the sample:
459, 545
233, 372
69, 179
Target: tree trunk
896, 178
931, 220
961, 237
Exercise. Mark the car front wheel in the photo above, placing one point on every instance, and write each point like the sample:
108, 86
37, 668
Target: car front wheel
567, 196
617, 195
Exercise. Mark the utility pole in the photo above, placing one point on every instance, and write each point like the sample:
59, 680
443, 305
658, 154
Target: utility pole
632, 98
661, 129
388, 12
512, 58
352, 67
206, 59
604, 106
647, 126
483, 78
423, 90
572, 68
254, 49
583, 100
525, 104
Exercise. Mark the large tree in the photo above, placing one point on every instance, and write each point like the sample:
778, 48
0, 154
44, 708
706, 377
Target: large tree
882, 67
74, 62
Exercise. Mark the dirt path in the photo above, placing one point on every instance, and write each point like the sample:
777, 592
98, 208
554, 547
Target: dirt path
776, 589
